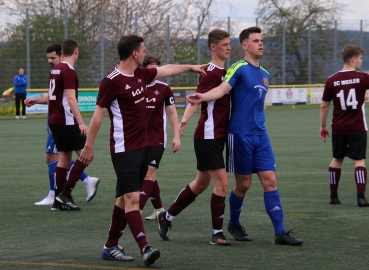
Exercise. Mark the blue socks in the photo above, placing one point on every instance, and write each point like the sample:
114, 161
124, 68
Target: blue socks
83, 174
52, 167
273, 207
235, 207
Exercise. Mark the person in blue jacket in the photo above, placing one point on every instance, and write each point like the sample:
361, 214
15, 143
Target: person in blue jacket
20, 83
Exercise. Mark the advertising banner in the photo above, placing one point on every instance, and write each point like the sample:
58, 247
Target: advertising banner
287, 96
37, 108
87, 101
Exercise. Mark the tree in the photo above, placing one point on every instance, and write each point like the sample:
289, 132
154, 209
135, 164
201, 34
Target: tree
297, 15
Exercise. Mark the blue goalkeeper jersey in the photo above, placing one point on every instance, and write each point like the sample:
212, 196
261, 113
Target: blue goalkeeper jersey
249, 88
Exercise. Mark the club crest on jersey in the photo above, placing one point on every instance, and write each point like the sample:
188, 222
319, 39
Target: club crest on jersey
137, 92
156, 92
139, 80
266, 83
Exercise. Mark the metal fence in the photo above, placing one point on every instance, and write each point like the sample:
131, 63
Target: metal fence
27, 48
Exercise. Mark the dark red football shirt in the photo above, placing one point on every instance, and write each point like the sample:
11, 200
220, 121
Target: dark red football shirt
347, 90
215, 113
158, 96
124, 97
62, 76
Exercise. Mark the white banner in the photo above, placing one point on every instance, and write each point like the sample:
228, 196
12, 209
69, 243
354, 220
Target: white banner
282, 96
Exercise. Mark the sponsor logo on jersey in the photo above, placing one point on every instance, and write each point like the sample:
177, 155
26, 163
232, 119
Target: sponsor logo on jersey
150, 100
137, 92
266, 81
55, 71
127, 87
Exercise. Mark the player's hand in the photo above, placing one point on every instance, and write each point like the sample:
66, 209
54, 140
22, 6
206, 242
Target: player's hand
176, 144
87, 155
29, 102
199, 69
83, 128
323, 134
182, 126
194, 98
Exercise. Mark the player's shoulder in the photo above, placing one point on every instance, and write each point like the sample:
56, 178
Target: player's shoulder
113, 74
239, 64
212, 67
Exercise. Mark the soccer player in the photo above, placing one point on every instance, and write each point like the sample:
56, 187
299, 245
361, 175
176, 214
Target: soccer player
209, 141
347, 90
53, 53
248, 146
66, 124
122, 94
159, 104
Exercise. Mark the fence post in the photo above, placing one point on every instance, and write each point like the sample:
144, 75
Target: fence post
335, 46
284, 53
229, 31
102, 46
168, 45
309, 50
257, 22
65, 23
198, 40
136, 25
28, 51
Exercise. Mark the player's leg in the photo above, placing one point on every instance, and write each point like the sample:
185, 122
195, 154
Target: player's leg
17, 106
239, 155
357, 144
91, 183
155, 199
51, 159
334, 176
23, 98
217, 206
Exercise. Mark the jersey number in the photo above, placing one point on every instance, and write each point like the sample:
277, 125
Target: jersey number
51, 90
351, 99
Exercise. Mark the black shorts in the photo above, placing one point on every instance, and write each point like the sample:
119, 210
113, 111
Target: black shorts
209, 154
68, 137
155, 155
350, 145
130, 168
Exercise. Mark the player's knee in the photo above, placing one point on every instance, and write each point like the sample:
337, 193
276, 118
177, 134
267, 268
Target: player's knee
221, 188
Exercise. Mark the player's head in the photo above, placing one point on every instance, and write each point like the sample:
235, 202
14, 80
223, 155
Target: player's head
251, 41
53, 53
219, 43
69, 47
352, 55
151, 61
21, 71
131, 45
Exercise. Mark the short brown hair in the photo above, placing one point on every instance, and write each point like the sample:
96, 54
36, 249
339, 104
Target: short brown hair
150, 59
246, 32
68, 46
216, 35
128, 44
350, 51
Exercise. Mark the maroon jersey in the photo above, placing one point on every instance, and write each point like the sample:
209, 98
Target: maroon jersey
124, 97
62, 76
347, 90
158, 96
215, 113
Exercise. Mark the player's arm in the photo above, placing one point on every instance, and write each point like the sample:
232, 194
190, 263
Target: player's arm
87, 153
171, 70
189, 112
73, 104
36, 100
173, 119
213, 94
323, 120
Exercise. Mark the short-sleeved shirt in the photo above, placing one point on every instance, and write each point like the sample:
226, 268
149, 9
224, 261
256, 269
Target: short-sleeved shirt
347, 90
124, 97
158, 96
62, 76
249, 87
214, 116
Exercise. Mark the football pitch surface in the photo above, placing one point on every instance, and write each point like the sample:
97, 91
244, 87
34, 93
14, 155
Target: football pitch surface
335, 236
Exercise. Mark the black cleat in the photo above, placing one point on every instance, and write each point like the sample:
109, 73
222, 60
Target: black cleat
164, 224
239, 233
67, 201
334, 198
286, 239
219, 239
150, 255
361, 201
58, 206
